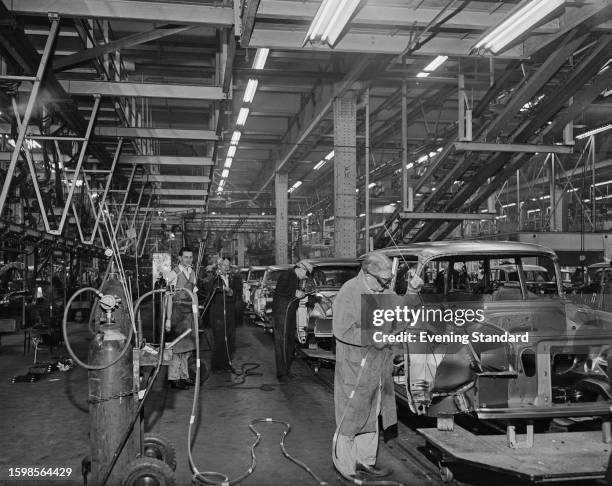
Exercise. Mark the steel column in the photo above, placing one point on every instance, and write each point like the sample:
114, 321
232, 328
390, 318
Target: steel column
29, 108
281, 181
404, 148
367, 169
345, 176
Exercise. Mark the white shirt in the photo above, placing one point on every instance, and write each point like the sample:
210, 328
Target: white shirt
172, 277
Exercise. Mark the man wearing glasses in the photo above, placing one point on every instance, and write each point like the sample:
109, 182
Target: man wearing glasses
363, 382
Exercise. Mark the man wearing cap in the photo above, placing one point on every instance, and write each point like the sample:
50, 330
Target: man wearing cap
284, 306
359, 400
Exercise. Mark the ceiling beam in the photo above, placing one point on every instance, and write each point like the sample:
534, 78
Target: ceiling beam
127, 41
142, 90
372, 43
180, 179
165, 160
167, 12
169, 133
180, 192
392, 16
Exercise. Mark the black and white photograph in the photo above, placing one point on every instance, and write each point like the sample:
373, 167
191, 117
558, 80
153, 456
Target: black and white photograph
306, 242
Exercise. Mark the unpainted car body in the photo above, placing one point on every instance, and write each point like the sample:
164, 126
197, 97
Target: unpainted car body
314, 314
251, 283
264, 294
560, 372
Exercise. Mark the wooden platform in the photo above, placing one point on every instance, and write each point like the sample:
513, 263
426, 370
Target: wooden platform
554, 456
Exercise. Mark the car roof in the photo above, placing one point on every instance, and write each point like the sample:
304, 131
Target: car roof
332, 262
601, 265
512, 266
279, 267
430, 249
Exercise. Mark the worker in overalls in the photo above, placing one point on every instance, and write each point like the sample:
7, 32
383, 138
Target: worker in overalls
181, 277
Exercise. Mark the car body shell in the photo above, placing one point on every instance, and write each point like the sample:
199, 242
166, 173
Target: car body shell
314, 313
511, 380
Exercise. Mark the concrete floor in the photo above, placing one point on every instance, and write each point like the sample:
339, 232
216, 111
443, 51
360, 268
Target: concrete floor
46, 423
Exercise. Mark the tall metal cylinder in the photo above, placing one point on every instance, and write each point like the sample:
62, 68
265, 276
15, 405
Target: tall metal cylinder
111, 399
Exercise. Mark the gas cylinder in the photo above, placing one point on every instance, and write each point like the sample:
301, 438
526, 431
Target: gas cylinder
111, 390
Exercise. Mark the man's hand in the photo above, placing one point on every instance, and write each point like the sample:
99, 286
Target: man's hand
300, 294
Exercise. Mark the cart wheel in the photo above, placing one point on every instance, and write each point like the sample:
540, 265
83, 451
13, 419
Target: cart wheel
446, 475
158, 447
147, 471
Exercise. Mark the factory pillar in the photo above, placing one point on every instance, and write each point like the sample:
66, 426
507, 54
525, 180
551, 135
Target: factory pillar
345, 177
280, 190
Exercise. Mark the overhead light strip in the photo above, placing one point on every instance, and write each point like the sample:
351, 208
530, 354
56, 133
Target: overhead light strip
330, 21
595, 131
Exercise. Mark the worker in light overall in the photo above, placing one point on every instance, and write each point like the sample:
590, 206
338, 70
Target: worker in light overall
360, 400
285, 303
181, 276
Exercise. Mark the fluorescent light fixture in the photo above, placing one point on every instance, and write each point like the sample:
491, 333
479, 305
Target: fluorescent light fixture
231, 151
330, 20
236, 137
225, 173
435, 64
319, 165
362, 215
595, 131
371, 185
330, 155
249, 92
243, 114
294, 187
422, 75
522, 19
309, 215
422, 158
410, 165
228, 163
219, 191
604, 183
260, 58
357, 190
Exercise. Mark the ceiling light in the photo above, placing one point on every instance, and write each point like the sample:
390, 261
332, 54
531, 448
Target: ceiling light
225, 173
236, 137
357, 190
330, 20
436, 63
595, 131
297, 184
330, 155
371, 185
422, 75
249, 92
522, 19
242, 116
260, 58
410, 165
604, 183
228, 163
319, 165
213, 213
362, 215
30, 144
221, 183
231, 151
309, 215
421, 159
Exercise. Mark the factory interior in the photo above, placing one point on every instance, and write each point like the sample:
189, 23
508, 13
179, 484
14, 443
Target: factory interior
306, 242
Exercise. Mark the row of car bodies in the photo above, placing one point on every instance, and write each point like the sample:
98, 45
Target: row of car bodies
560, 371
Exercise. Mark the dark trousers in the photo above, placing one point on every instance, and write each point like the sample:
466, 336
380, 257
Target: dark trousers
284, 336
222, 329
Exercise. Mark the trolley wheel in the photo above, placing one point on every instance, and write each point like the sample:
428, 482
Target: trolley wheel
158, 447
147, 471
446, 475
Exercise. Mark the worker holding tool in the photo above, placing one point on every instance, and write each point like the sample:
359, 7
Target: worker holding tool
180, 319
284, 306
363, 383
221, 316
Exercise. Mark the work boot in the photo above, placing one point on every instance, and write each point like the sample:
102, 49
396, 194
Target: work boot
178, 385
377, 472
